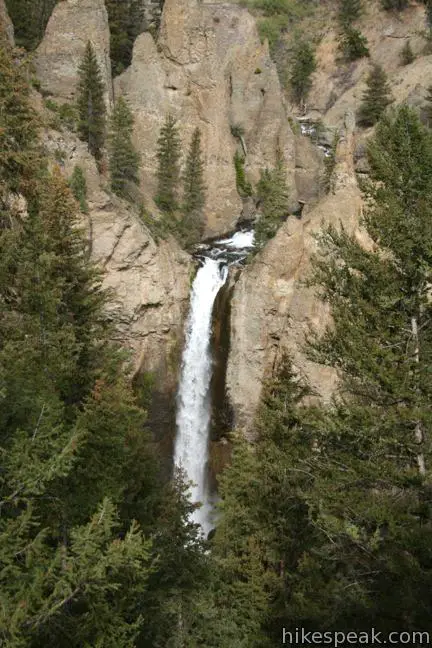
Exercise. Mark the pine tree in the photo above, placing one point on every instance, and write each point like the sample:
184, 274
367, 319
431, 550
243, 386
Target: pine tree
168, 173
193, 192
273, 196
126, 18
19, 154
349, 11
304, 65
30, 18
373, 510
336, 498
78, 471
399, 5
78, 187
91, 104
353, 44
123, 158
376, 98
428, 9
428, 108
407, 55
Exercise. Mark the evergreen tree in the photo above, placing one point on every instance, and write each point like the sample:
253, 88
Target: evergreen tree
353, 44
407, 55
126, 21
30, 18
19, 156
193, 192
376, 98
349, 11
78, 187
337, 497
428, 108
304, 65
428, 9
168, 173
399, 5
123, 158
79, 474
273, 197
91, 104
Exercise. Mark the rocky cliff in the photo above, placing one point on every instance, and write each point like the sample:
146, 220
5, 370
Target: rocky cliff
72, 24
150, 281
5, 22
339, 87
210, 70
272, 309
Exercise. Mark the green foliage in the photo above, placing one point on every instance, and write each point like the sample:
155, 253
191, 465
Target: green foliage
376, 98
168, 173
329, 166
334, 499
123, 158
272, 193
79, 481
78, 187
126, 21
407, 55
353, 44
91, 104
428, 9
303, 66
398, 5
18, 126
428, 108
244, 187
193, 193
276, 16
30, 18
349, 11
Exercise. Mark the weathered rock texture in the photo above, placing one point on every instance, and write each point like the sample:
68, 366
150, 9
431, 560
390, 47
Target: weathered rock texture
339, 87
150, 282
272, 310
72, 24
210, 70
6, 23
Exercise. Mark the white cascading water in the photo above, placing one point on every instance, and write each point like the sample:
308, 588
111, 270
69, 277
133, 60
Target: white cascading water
194, 407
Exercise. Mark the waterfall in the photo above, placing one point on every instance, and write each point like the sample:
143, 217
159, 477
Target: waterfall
194, 407
194, 403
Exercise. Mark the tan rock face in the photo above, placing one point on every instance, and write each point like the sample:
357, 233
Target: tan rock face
272, 310
210, 71
150, 286
150, 282
339, 87
6, 23
72, 24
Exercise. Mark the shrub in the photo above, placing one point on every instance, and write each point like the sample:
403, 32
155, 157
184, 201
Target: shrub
398, 5
244, 187
407, 55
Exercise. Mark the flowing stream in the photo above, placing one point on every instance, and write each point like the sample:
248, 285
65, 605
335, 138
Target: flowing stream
194, 402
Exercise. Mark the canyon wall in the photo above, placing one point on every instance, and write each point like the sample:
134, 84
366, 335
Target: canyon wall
209, 70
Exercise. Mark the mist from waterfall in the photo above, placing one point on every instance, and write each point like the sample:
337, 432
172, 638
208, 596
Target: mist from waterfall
194, 406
